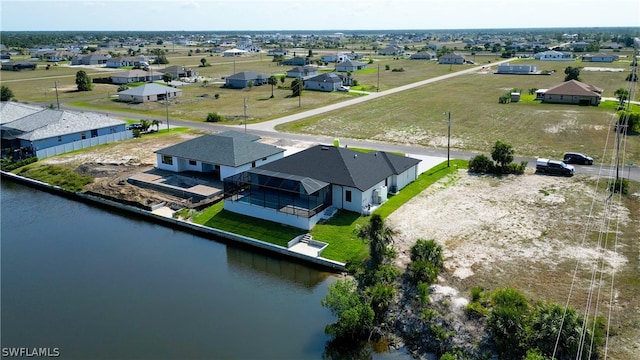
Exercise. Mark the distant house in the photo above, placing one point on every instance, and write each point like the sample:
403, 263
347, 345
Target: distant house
297, 61
278, 52
392, 50
178, 72
133, 76
423, 55
600, 57
94, 59
323, 82
302, 72
241, 80
20, 65
350, 65
573, 92
335, 58
119, 62
452, 58
48, 132
552, 55
519, 69
148, 93
222, 155
234, 52
298, 189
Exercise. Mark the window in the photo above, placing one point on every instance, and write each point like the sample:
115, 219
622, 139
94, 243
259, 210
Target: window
83, 135
59, 138
347, 196
167, 159
192, 162
253, 164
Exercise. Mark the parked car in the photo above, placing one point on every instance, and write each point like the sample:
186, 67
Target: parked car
134, 126
554, 167
577, 158
343, 89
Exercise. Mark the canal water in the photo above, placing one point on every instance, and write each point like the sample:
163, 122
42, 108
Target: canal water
100, 285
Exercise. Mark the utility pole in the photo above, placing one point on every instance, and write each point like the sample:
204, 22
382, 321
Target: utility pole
57, 99
448, 136
300, 91
245, 114
378, 87
166, 99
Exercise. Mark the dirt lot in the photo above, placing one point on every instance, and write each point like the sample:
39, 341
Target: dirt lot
530, 232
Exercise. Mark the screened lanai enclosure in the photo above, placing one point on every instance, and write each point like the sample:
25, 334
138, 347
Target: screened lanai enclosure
285, 193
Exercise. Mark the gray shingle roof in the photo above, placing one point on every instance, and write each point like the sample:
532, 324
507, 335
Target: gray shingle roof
230, 148
248, 75
10, 111
326, 77
48, 123
342, 166
149, 89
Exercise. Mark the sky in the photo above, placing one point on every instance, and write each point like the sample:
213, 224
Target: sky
274, 15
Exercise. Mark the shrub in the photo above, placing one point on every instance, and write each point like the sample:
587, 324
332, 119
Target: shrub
8, 164
423, 292
517, 169
620, 186
481, 164
423, 271
476, 310
398, 70
214, 117
217, 96
427, 250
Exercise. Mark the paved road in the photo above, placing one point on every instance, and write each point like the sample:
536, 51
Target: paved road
267, 129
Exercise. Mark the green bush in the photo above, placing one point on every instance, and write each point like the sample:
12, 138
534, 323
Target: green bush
620, 186
481, 164
214, 117
423, 271
9, 165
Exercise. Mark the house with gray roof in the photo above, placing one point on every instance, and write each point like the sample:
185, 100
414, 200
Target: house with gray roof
137, 75
298, 189
302, 72
178, 72
94, 59
423, 55
149, 92
600, 57
241, 80
350, 65
49, 132
323, 82
452, 58
222, 155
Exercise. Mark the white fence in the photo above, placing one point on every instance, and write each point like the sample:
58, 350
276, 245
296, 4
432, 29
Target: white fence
81, 144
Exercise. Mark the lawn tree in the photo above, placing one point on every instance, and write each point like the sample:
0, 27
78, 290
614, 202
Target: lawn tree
283, 78
296, 87
167, 77
6, 94
146, 124
203, 62
573, 73
621, 94
156, 123
83, 81
379, 236
273, 81
502, 153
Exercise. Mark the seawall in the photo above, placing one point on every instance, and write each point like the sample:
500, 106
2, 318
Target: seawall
204, 231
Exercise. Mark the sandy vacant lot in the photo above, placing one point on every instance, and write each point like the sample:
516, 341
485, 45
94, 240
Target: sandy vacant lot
531, 232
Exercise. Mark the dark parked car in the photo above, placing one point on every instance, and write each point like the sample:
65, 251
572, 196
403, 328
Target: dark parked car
577, 158
134, 126
554, 167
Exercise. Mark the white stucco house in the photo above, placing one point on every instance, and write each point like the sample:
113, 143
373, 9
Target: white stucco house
298, 189
222, 155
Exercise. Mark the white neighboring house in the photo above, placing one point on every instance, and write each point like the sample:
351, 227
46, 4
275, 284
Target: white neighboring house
552, 55
149, 92
508, 68
350, 65
223, 154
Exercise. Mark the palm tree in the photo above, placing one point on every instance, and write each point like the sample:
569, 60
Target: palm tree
272, 81
379, 236
156, 123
